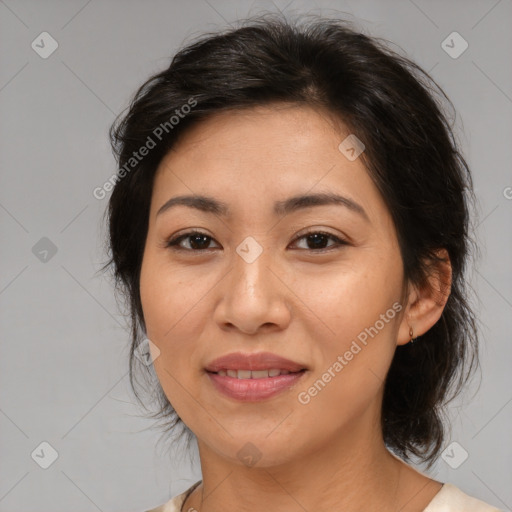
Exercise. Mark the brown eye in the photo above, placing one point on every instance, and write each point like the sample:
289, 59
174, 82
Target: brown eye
316, 241
197, 241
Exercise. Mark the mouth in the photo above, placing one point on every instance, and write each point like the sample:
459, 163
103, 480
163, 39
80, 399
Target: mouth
254, 377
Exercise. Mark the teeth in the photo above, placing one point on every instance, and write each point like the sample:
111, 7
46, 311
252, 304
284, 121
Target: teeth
259, 374
248, 374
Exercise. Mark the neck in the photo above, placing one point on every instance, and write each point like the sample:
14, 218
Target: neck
352, 471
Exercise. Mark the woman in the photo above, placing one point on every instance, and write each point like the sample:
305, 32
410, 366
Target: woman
290, 226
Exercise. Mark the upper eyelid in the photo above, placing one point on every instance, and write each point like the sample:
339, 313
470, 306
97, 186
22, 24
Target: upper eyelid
322, 231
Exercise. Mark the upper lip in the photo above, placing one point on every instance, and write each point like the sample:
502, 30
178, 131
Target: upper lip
255, 361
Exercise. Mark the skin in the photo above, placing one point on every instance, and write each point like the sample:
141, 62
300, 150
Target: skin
300, 304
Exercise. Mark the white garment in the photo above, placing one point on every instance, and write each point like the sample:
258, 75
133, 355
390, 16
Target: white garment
448, 499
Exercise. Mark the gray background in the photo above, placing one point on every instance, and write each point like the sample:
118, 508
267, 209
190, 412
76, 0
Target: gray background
63, 366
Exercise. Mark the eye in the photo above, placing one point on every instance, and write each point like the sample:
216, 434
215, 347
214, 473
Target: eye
199, 242
316, 241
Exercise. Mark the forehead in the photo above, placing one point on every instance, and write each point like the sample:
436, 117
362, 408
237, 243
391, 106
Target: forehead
264, 154
287, 129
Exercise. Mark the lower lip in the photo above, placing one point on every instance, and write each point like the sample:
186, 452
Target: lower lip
254, 390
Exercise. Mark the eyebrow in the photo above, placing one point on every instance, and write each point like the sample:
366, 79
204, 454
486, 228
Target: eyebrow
292, 204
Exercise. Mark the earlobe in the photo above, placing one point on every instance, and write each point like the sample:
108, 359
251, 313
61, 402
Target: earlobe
427, 301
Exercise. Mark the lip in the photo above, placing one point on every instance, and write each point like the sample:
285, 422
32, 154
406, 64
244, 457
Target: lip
255, 361
254, 390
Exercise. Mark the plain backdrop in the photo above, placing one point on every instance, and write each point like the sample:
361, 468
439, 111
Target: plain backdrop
63, 364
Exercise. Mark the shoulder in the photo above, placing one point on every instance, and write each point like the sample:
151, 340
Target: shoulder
448, 499
174, 504
452, 499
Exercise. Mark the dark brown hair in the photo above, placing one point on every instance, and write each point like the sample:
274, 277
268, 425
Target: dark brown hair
411, 154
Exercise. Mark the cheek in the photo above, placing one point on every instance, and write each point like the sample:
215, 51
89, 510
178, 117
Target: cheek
170, 328
174, 315
355, 327
169, 301
345, 299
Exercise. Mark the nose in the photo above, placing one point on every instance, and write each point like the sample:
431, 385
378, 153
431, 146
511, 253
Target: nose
253, 296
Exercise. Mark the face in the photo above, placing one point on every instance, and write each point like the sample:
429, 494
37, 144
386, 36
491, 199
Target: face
250, 271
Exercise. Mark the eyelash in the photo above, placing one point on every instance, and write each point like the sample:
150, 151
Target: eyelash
173, 243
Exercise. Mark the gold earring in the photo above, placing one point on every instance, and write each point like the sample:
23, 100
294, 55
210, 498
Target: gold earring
411, 334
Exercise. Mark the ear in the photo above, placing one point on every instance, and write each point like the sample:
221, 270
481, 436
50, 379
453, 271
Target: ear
425, 303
